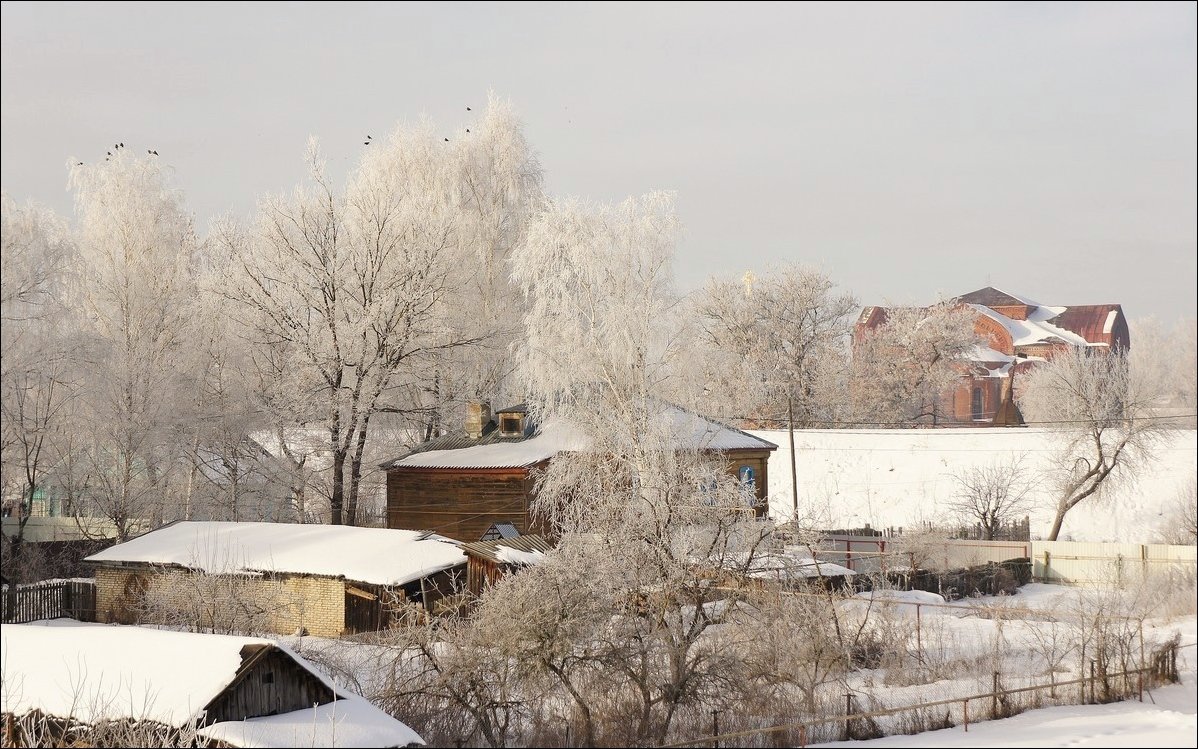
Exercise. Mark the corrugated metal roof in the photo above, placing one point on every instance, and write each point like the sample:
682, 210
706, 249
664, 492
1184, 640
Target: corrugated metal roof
490, 550
494, 452
1088, 321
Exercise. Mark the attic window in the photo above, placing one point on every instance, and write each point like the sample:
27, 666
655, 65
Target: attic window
268, 677
511, 425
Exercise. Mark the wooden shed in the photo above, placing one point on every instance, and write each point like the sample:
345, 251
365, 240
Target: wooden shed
488, 561
238, 691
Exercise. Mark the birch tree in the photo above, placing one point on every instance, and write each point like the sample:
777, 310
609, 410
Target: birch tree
496, 188
640, 503
347, 294
1104, 421
36, 382
132, 294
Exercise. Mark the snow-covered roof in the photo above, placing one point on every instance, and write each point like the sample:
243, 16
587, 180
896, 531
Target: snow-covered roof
370, 555
1036, 328
559, 435
349, 722
92, 671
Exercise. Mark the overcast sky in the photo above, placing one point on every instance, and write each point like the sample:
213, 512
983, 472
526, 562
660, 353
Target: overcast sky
912, 151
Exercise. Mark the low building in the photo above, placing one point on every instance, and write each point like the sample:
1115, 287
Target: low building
462, 484
492, 559
326, 580
235, 691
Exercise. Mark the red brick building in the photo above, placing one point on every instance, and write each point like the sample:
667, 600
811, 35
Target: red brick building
1017, 333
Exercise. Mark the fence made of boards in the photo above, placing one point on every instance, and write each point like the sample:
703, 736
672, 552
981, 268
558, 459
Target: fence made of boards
75, 599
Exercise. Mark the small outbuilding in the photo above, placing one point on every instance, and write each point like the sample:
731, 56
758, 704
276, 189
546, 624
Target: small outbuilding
488, 561
326, 580
237, 691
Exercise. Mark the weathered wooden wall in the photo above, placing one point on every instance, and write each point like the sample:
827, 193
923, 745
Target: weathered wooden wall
272, 684
460, 504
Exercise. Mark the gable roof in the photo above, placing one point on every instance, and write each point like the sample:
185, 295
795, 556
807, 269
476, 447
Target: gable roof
992, 297
91, 671
559, 435
377, 556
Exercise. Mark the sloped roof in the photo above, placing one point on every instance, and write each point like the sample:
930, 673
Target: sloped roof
1037, 328
991, 297
543, 443
1093, 322
498, 551
376, 556
87, 672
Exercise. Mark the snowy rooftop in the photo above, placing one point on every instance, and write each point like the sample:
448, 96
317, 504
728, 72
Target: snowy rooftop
370, 555
91, 671
350, 722
561, 436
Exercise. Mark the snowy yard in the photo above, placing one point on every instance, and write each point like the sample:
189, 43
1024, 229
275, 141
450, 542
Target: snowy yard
902, 478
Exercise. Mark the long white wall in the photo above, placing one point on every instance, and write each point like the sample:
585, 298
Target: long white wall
902, 478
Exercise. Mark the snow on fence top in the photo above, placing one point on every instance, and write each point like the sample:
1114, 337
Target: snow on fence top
376, 556
557, 436
89, 672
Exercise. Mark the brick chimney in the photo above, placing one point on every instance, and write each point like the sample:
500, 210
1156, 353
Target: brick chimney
478, 415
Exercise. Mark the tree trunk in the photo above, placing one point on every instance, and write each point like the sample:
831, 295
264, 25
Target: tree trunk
1057, 522
794, 471
337, 498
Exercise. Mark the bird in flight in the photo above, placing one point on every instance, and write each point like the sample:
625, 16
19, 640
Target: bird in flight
467, 109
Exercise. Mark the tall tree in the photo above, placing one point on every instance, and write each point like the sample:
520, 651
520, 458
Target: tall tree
1104, 420
643, 508
789, 330
36, 383
902, 369
349, 294
132, 292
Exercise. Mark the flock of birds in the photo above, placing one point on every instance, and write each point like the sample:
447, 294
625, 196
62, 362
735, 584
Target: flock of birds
370, 138
152, 152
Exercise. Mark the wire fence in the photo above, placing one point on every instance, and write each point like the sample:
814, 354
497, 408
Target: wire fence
863, 717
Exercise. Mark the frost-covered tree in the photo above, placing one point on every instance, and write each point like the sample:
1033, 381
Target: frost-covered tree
641, 505
902, 369
1165, 358
347, 295
131, 293
785, 333
36, 378
496, 186
1104, 419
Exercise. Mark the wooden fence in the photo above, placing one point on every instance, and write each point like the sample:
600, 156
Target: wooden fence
75, 599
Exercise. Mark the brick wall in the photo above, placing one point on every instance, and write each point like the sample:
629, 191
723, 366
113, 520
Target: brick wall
280, 604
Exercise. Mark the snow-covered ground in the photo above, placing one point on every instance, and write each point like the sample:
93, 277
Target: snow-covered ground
1167, 717
904, 477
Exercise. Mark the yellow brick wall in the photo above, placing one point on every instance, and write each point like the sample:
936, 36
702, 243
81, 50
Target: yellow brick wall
285, 604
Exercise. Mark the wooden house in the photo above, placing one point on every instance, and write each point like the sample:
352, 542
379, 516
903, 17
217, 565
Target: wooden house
327, 580
1016, 334
462, 484
237, 691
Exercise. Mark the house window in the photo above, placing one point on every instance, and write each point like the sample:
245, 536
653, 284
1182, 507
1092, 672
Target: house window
511, 425
976, 404
268, 677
